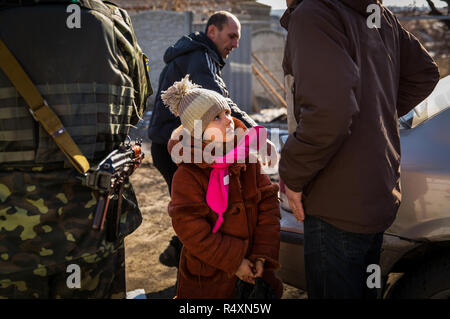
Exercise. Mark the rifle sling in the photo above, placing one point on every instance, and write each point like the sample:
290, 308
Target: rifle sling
40, 110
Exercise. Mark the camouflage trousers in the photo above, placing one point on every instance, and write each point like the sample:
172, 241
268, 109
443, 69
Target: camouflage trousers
79, 279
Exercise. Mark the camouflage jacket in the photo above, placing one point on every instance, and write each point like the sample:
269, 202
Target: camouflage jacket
45, 212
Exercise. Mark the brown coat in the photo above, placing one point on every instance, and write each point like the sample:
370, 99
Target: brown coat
351, 83
251, 228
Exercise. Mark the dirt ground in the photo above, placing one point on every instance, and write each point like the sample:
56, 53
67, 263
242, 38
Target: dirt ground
144, 271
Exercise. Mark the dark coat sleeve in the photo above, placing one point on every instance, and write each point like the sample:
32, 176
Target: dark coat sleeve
419, 74
201, 72
188, 210
240, 115
162, 121
266, 238
324, 91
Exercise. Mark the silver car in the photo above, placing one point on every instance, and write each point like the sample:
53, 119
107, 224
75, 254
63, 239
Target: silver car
415, 257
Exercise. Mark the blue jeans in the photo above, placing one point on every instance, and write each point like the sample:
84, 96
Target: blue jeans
336, 261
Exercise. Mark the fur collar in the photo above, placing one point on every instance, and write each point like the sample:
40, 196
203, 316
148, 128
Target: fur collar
176, 141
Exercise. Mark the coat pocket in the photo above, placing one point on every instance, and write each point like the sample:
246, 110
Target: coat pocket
193, 268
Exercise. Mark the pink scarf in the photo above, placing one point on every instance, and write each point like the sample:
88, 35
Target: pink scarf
217, 193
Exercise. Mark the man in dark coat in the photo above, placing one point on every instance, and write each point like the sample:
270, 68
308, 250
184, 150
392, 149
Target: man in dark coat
202, 56
350, 81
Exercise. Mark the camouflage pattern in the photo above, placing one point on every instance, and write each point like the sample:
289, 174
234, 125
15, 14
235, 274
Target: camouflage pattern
97, 95
137, 62
45, 224
100, 279
46, 214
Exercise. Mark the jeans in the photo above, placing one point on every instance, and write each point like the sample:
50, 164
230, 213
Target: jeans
336, 261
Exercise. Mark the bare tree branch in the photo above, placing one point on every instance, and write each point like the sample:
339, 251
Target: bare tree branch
434, 10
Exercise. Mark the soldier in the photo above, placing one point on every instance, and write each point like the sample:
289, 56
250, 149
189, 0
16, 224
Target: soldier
90, 70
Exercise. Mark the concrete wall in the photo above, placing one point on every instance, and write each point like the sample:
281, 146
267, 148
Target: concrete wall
237, 73
156, 30
268, 46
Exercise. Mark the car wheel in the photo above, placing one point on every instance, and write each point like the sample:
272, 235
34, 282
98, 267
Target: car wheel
429, 281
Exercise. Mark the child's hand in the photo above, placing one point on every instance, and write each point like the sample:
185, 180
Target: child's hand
259, 268
245, 272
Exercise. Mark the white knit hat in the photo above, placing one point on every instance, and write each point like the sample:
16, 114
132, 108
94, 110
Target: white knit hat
191, 102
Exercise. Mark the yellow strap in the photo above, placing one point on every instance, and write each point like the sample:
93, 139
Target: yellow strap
40, 109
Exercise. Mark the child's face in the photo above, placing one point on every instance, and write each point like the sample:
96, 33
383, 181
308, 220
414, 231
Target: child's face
222, 123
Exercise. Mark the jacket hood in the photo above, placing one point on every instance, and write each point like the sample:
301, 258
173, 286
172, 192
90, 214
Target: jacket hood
359, 6
284, 20
192, 42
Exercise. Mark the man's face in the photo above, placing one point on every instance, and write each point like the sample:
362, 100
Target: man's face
227, 39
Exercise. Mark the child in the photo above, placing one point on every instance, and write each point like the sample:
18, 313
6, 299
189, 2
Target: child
241, 240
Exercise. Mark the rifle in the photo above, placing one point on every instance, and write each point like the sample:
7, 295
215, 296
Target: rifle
108, 178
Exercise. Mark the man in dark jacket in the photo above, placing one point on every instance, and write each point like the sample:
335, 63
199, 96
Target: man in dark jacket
350, 83
202, 56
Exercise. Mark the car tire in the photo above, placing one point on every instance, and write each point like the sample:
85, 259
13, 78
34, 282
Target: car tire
429, 281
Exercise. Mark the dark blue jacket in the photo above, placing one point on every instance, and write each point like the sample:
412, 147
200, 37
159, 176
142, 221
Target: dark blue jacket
197, 55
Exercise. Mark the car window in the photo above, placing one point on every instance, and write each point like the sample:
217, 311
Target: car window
278, 137
435, 103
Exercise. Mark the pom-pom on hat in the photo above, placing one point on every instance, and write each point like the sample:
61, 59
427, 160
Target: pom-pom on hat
191, 102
